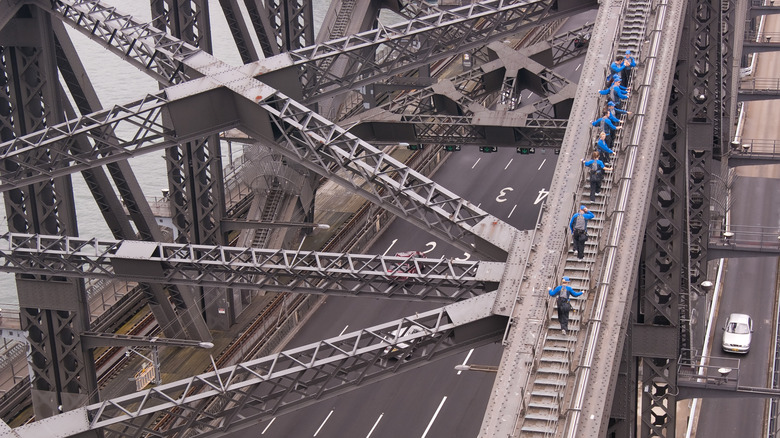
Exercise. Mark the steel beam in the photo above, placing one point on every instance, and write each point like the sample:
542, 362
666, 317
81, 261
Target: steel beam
493, 128
246, 393
132, 198
240, 31
62, 376
250, 268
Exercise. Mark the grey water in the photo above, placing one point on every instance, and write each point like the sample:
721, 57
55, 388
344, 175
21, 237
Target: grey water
116, 82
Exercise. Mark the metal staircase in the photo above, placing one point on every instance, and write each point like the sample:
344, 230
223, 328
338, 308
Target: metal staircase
634, 26
272, 202
554, 367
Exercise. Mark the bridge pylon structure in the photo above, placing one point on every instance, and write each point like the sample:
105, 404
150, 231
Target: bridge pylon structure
643, 323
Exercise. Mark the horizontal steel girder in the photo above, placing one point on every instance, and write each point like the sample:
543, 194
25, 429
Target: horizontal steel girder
250, 391
312, 140
250, 268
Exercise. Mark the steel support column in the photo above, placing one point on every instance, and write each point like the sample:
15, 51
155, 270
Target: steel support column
675, 245
112, 206
195, 176
53, 310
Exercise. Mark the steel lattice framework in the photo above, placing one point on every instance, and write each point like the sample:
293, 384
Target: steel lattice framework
62, 375
46, 158
419, 41
250, 268
312, 141
165, 58
240, 394
675, 245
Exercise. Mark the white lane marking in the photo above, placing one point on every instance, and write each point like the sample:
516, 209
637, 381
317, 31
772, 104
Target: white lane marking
391, 245
507, 164
475, 164
377, 422
542, 194
479, 204
466, 359
513, 210
529, 94
434, 417
540, 166
578, 67
431, 245
269, 425
323, 422
345, 329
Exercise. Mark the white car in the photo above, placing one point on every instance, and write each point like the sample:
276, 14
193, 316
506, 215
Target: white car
391, 351
737, 333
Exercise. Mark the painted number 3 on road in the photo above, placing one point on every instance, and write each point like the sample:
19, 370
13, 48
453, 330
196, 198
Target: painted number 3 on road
502, 195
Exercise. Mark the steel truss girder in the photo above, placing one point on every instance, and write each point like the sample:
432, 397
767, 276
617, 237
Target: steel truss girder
316, 144
319, 144
152, 50
195, 167
291, 23
417, 42
76, 79
660, 293
307, 137
675, 251
250, 268
571, 44
411, 44
259, 19
473, 83
142, 119
239, 396
239, 30
187, 20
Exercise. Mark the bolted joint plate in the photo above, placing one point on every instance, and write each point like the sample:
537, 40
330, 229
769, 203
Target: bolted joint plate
514, 268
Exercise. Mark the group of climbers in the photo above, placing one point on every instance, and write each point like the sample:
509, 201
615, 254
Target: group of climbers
617, 91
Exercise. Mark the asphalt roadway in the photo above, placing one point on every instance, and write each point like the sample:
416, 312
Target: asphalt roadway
434, 400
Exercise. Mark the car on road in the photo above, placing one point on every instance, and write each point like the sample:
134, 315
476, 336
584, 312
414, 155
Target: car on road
466, 60
737, 333
400, 269
392, 352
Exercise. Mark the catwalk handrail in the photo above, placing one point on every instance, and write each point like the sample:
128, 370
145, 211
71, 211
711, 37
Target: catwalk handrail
755, 147
759, 84
745, 236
